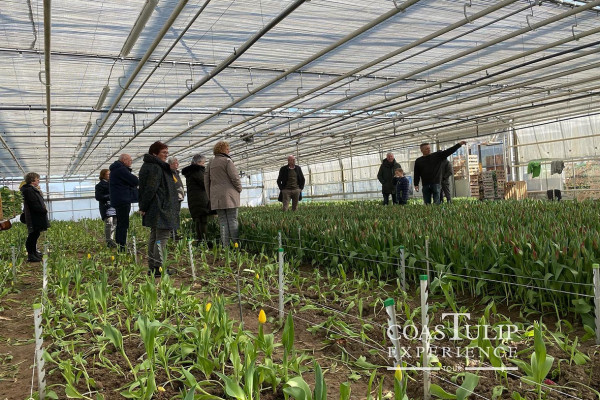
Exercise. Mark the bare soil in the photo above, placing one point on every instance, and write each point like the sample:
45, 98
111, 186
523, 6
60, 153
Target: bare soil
335, 350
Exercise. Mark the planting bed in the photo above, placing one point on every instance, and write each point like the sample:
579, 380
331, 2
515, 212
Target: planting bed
112, 332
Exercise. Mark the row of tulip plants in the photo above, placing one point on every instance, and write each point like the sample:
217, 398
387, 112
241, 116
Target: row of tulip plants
535, 254
112, 331
171, 338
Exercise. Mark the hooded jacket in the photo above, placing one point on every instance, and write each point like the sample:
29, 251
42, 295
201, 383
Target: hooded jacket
158, 194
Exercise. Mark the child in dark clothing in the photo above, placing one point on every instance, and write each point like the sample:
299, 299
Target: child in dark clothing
401, 184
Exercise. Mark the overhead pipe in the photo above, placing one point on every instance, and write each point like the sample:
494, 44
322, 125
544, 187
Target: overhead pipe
175, 42
447, 92
369, 130
453, 125
12, 154
187, 64
168, 24
47, 37
425, 127
138, 27
405, 48
228, 61
366, 148
149, 110
365, 66
384, 17
449, 59
353, 113
377, 127
482, 131
511, 88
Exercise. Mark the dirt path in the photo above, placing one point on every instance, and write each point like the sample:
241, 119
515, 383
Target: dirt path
17, 335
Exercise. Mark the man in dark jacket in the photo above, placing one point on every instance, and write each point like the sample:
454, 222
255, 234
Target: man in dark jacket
385, 177
447, 172
197, 197
158, 203
291, 183
123, 191
428, 168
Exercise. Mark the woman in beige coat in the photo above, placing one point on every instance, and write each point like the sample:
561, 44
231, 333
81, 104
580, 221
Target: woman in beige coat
223, 187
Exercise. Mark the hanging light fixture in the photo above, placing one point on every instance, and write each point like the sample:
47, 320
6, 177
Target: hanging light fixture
138, 27
102, 98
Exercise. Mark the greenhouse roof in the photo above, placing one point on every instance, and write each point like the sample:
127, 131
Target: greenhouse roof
83, 81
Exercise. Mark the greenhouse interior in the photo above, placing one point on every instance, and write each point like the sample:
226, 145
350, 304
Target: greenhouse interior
300, 199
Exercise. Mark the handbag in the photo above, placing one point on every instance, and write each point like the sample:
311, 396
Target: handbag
111, 212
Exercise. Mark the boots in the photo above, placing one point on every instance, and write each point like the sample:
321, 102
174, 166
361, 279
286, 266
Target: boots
34, 257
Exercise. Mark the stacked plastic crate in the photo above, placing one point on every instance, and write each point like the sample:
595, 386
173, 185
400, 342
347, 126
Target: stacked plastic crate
474, 176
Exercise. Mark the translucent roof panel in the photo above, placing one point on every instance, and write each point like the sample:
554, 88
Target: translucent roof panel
279, 76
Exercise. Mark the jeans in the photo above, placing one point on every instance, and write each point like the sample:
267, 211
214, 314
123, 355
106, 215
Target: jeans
31, 242
122, 225
429, 190
154, 252
110, 224
386, 198
287, 194
229, 225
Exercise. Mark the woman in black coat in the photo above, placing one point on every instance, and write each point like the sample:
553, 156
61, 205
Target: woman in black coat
36, 215
107, 211
197, 197
158, 204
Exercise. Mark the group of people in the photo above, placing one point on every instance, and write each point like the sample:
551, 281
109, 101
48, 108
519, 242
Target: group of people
431, 170
159, 191
211, 189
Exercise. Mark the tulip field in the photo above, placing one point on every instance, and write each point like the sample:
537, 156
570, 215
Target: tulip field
516, 278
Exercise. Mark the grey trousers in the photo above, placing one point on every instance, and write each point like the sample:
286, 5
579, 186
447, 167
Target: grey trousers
110, 224
228, 224
287, 194
156, 236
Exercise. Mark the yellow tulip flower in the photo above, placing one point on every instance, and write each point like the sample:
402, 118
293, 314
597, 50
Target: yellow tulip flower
89, 256
398, 373
235, 245
161, 389
208, 306
262, 317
